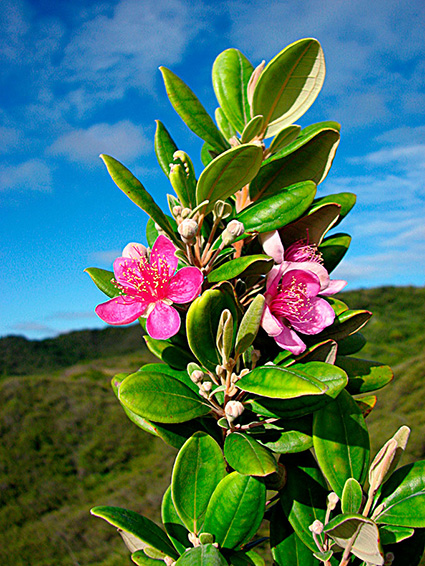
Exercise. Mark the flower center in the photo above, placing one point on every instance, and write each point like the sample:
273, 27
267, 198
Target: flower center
292, 302
149, 281
301, 250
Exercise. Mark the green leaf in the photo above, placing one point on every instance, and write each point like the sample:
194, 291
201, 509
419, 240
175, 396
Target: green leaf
345, 200
281, 383
169, 353
289, 84
352, 496
303, 498
333, 249
235, 510
203, 555
348, 322
241, 558
322, 352
331, 377
363, 375
308, 158
249, 325
341, 442
366, 545
133, 188
103, 280
278, 210
202, 322
180, 375
286, 546
141, 559
224, 125
228, 173
284, 138
252, 129
366, 404
174, 526
230, 75
245, 455
258, 264
391, 534
351, 344
296, 436
311, 227
164, 147
137, 525
198, 469
403, 497
207, 154
161, 398
191, 111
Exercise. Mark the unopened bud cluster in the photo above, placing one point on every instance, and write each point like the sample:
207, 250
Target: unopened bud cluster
202, 381
232, 231
233, 410
188, 228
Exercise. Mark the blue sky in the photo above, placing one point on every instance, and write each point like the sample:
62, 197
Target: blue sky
81, 78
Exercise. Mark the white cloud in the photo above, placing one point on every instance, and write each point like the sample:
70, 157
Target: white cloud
403, 156
31, 175
9, 138
32, 327
71, 315
106, 257
404, 135
123, 140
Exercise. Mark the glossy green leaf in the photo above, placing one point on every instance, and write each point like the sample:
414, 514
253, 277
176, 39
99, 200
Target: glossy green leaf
137, 525
288, 437
289, 84
241, 558
202, 323
352, 496
203, 555
180, 375
169, 353
249, 325
303, 498
351, 344
174, 526
103, 280
311, 227
242, 266
286, 546
366, 404
141, 559
366, 545
281, 383
207, 154
403, 496
230, 74
341, 442
390, 534
322, 352
133, 188
198, 469
161, 398
191, 111
152, 232
224, 125
331, 377
278, 210
345, 200
228, 173
252, 129
284, 138
164, 147
363, 375
348, 322
308, 158
235, 510
245, 455
333, 249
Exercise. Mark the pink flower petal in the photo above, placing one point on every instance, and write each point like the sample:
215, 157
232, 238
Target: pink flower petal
305, 278
270, 323
272, 245
185, 285
164, 250
163, 322
313, 267
120, 310
289, 340
273, 279
335, 286
320, 316
134, 251
127, 271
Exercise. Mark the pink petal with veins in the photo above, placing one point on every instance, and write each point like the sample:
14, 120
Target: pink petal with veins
121, 310
305, 278
163, 322
335, 286
164, 249
313, 267
185, 285
270, 323
289, 340
272, 245
320, 316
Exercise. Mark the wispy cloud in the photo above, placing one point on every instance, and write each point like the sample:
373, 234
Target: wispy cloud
71, 315
32, 327
106, 257
123, 140
31, 175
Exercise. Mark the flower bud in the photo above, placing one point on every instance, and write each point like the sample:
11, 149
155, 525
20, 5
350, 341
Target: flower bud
197, 376
233, 230
188, 229
135, 251
185, 212
233, 410
177, 210
332, 501
316, 527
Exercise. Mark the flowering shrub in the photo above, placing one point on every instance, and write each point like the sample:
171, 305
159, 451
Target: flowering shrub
260, 385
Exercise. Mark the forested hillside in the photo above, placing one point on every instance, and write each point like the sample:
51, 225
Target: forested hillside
66, 445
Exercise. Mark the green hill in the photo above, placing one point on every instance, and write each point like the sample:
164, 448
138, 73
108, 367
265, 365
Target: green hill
66, 445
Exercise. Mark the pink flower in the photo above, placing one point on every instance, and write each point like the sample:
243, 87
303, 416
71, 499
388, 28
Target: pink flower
301, 255
292, 306
149, 287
